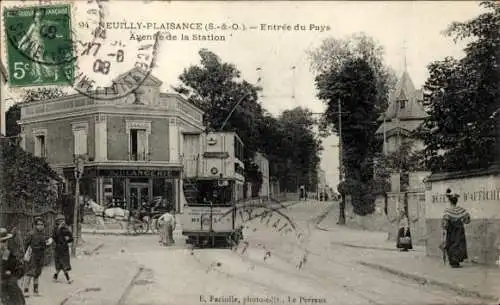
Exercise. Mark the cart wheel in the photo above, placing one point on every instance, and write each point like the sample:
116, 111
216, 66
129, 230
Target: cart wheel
139, 227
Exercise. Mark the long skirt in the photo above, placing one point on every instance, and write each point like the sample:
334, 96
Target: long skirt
11, 293
456, 243
166, 234
62, 259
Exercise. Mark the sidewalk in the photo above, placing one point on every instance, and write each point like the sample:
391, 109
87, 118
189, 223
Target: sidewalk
472, 280
96, 280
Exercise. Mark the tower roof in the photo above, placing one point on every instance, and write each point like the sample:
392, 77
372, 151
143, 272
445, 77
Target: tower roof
405, 91
411, 114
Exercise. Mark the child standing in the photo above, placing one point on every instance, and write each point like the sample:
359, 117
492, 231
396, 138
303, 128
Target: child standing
36, 244
62, 237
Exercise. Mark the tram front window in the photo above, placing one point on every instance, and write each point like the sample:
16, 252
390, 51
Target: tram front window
209, 192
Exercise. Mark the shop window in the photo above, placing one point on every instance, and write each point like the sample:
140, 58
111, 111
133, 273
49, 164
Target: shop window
159, 188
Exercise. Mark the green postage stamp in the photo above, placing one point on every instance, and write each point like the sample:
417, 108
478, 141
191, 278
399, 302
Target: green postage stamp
39, 45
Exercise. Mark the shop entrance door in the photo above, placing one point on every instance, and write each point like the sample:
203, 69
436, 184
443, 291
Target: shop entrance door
139, 193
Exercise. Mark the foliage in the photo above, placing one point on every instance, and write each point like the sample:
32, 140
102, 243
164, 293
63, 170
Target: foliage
333, 54
45, 93
299, 148
29, 179
14, 113
355, 87
11, 117
406, 159
461, 96
252, 170
217, 88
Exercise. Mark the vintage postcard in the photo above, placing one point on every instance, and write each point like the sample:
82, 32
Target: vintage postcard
249, 152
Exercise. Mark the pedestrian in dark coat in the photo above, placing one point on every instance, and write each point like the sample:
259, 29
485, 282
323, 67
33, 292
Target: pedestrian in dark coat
404, 242
62, 238
11, 270
35, 245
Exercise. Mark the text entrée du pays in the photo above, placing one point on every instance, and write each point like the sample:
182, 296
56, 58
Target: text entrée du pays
198, 26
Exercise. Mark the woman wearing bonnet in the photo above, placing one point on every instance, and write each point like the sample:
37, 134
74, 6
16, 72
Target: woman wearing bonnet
454, 240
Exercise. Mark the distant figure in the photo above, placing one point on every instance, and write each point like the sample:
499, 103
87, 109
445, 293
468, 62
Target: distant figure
404, 242
454, 241
302, 193
167, 226
11, 270
62, 237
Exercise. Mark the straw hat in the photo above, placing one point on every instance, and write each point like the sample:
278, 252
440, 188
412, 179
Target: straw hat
4, 234
60, 217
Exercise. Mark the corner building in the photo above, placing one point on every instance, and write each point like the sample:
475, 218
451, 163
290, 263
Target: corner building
132, 144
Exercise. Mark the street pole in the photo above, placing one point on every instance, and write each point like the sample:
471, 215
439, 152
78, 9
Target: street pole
385, 137
341, 169
78, 174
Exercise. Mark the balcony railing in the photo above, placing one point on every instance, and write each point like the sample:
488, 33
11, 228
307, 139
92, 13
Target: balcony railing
144, 156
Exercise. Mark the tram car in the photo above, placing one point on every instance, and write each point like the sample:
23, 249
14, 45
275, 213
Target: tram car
209, 217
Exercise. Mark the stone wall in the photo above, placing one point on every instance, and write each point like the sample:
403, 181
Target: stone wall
389, 222
480, 195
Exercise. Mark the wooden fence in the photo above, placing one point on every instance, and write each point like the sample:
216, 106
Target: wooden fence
23, 222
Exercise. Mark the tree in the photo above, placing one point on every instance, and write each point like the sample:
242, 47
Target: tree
40, 94
299, 148
333, 53
14, 113
26, 180
461, 97
11, 117
217, 89
355, 87
288, 141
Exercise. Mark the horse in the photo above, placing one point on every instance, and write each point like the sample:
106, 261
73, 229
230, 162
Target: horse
100, 210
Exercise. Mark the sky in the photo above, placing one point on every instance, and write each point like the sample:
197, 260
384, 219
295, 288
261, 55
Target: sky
394, 25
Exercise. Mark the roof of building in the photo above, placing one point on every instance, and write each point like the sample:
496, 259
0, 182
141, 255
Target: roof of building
409, 125
412, 115
405, 90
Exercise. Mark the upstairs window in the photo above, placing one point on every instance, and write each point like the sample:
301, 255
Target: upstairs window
402, 104
80, 132
138, 145
138, 142
40, 142
40, 146
80, 137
